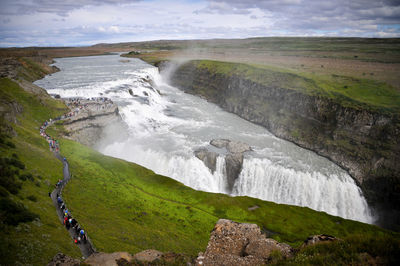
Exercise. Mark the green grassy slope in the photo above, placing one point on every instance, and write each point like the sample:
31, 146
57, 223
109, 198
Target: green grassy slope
38, 241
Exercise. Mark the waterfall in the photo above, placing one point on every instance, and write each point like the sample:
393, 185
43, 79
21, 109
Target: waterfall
336, 195
188, 170
166, 126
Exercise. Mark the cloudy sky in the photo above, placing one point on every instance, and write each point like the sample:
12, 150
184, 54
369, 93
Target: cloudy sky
87, 22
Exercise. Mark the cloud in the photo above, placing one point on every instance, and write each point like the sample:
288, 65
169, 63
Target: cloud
73, 22
341, 15
222, 8
60, 7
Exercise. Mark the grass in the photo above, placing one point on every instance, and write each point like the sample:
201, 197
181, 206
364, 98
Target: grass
353, 250
38, 241
351, 92
31, 70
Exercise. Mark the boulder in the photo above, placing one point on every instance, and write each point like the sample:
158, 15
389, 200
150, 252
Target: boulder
265, 246
231, 146
220, 143
61, 259
149, 255
238, 147
234, 243
109, 259
315, 239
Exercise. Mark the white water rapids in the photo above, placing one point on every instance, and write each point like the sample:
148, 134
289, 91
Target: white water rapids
166, 126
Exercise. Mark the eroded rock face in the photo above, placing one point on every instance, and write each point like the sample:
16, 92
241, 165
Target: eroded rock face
61, 259
209, 158
234, 243
233, 152
233, 166
95, 122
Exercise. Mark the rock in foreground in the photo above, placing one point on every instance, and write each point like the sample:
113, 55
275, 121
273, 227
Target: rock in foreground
61, 259
315, 239
234, 243
108, 258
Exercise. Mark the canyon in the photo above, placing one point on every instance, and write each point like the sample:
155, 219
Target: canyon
363, 141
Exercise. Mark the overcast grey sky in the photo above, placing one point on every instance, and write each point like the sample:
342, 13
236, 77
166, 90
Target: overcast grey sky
87, 22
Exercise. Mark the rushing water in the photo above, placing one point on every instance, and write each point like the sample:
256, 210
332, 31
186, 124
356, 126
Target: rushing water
166, 126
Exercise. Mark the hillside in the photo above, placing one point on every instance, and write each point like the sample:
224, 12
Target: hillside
125, 207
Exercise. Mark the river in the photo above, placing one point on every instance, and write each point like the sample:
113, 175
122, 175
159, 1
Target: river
166, 126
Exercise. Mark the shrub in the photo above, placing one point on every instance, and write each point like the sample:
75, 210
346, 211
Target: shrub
15, 213
27, 176
9, 183
14, 162
7, 176
3, 192
10, 144
32, 198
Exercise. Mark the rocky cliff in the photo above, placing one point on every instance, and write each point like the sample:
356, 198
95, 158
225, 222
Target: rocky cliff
364, 142
96, 120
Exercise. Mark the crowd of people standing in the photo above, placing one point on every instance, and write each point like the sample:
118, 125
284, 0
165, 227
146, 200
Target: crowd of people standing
80, 235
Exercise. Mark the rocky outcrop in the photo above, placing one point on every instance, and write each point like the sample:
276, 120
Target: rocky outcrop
96, 121
8, 112
149, 255
209, 158
362, 141
234, 243
61, 259
233, 151
109, 259
316, 239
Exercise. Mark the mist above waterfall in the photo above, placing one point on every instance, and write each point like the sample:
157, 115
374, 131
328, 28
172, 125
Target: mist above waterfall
165, 127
